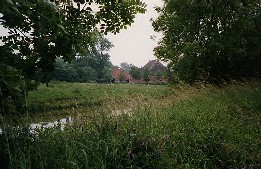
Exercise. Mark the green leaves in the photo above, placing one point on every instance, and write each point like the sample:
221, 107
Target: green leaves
86, 68
10, 77
7, 6
136, 72
115, 16
209, 39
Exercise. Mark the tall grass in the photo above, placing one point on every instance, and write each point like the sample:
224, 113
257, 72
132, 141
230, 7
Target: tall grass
188, 127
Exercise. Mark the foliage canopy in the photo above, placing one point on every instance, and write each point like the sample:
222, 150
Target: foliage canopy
136, 72
210, 40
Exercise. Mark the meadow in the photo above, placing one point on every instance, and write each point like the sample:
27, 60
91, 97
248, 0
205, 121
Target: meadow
138, 126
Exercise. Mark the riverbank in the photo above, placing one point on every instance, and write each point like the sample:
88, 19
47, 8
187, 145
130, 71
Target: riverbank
168, 127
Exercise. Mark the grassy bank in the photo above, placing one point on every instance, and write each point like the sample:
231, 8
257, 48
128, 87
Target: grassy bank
180, 127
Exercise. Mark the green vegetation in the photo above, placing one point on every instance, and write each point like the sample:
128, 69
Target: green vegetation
60, 95
146, 75
162, 127
95, 66
210, 41
123, 125
136, 72
41, 31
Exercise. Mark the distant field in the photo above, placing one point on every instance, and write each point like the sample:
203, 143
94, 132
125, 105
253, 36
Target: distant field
163, 127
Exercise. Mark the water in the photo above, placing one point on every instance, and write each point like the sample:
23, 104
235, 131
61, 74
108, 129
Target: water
127, 111
61, 123
35, 127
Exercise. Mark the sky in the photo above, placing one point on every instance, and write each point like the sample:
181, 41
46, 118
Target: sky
2, 30
133, 45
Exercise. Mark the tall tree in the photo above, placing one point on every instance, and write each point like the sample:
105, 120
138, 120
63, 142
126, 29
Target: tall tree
42, 30
100, 56
210, 40
125, 66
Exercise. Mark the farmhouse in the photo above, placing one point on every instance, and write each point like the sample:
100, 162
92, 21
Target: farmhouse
154, 67
120, 75
156, 70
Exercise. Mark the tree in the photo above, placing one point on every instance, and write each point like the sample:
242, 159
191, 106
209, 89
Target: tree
86, 74
135, 72
107, 74
210, 40
159, 74
122, 76
146, 75
40, 31
100, 56
59, 72
72, 75
171, 75
125, 66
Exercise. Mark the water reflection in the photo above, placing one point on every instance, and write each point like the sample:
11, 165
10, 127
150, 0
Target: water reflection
61, 123
127, 111
35, 127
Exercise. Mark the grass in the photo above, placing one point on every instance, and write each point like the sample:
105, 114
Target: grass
79, 95
170, 127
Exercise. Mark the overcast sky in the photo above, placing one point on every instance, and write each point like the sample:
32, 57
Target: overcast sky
133, 45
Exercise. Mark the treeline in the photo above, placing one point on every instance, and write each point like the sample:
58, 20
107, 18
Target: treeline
83, 69
94, 66
144, 73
